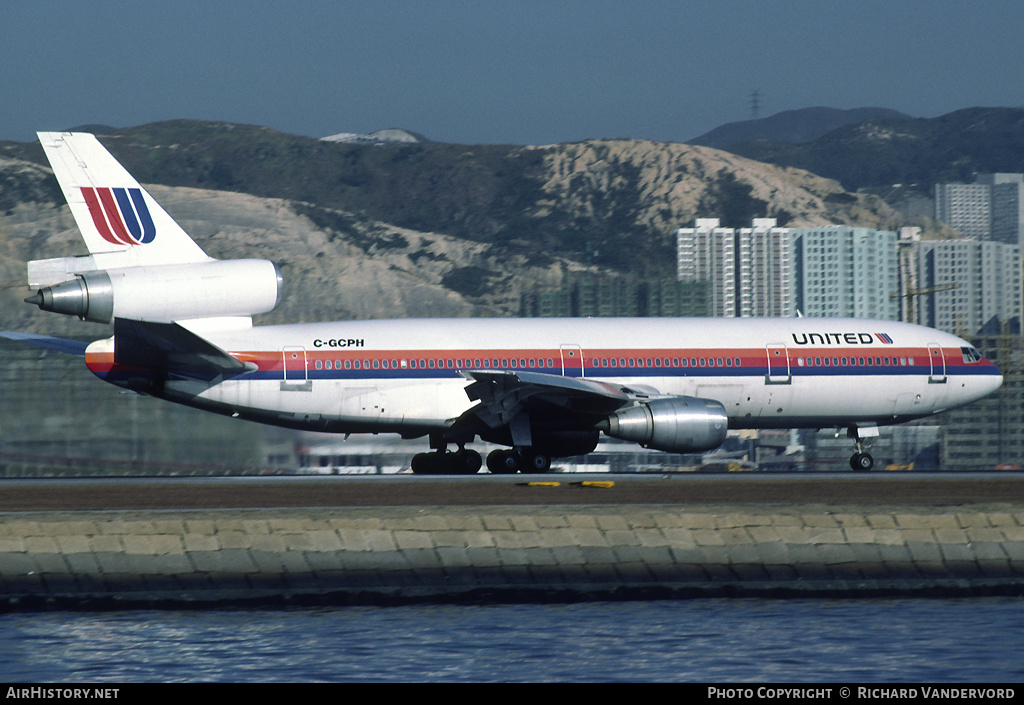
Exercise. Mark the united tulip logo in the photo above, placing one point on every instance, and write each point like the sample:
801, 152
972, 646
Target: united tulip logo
120, 215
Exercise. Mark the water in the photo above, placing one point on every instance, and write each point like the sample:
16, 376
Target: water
714, 640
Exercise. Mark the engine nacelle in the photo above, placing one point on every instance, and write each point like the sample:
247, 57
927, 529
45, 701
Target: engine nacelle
172, 292
672, 424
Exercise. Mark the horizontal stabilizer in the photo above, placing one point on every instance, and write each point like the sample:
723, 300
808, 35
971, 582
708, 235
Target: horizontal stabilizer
171, 347
71, 347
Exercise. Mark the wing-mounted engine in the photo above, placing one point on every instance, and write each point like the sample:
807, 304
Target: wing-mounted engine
672, 424
171, 292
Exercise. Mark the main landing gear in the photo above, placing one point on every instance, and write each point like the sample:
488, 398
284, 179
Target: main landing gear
468, 462
441, 462
861, 460
509, 462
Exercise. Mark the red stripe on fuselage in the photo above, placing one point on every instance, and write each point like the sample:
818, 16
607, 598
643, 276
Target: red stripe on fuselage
270, 361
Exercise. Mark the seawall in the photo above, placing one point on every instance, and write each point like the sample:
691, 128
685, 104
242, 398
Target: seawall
405, 554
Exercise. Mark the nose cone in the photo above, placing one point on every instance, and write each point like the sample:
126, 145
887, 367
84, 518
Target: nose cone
990, 379
994, 382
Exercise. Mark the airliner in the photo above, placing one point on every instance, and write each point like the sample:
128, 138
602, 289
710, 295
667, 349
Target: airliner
539, 388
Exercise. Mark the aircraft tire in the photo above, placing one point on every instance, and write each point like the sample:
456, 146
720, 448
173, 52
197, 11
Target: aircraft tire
422, 464
466, 462
862, 462
503, 462
537, 463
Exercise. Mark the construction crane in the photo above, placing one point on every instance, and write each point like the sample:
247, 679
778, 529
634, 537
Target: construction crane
912, 293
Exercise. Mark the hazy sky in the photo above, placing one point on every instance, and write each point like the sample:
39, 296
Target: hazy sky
508, 71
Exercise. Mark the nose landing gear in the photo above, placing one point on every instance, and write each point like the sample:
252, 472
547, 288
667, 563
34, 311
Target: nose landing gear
861, 460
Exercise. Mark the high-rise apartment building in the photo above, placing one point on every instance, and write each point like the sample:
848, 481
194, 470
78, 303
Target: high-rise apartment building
1006, 207
707, 253
992, 208
974, 284
965, 207
765, 270
844, 271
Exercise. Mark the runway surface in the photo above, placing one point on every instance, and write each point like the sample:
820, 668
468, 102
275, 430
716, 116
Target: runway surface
936, 490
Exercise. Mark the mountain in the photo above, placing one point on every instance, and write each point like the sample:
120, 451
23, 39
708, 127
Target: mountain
793, 126
415, 229
900, 150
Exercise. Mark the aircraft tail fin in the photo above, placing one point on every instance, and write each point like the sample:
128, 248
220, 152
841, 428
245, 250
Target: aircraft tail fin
141, 265
121, 223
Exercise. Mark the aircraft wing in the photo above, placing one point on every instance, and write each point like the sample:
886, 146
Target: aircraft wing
504, 394
71, 347
171, 347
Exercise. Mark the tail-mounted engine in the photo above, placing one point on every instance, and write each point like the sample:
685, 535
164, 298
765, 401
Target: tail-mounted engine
172, 292
672, 424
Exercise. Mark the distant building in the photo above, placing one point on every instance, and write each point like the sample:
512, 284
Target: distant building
602, 298
965, 207
992, 208
975, 286
844, 271
1006, 207
766, 270
707, 253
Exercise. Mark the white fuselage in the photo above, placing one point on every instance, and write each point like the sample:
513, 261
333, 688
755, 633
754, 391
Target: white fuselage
406, 376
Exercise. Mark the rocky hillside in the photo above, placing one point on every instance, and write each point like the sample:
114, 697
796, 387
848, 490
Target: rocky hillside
414, 230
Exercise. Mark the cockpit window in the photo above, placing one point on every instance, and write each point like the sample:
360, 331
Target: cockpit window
970, 354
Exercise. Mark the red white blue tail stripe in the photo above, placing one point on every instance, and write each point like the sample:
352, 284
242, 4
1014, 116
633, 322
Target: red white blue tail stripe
120, 215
